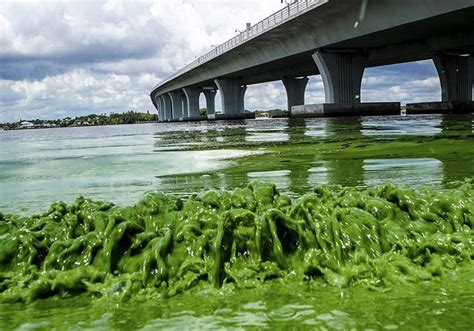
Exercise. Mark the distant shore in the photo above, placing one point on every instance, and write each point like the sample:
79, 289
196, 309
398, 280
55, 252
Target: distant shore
89, 120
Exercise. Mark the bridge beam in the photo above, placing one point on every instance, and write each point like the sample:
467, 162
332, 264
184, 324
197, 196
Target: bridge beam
178, 99
295, 89
342, 75
232, 95
167, 106
456, 74
192, 100
210, 102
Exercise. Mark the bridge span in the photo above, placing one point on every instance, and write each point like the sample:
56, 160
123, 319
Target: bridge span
337, 39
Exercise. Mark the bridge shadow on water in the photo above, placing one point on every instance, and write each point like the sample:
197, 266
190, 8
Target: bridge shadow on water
296, 154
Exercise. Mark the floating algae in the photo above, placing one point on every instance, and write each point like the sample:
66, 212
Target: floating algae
377, 237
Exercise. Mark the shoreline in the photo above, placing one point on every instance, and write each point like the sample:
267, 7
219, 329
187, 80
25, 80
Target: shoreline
75, 126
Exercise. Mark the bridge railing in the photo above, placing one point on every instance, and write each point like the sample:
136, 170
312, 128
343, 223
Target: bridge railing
282, 16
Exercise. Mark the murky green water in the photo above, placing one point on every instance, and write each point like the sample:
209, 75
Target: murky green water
120, 163
443, 305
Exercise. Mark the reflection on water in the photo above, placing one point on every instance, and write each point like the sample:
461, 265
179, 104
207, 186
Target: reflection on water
120, 163
296, 170
413, 172
398, 126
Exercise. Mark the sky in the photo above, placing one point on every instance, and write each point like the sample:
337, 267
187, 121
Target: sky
73, 58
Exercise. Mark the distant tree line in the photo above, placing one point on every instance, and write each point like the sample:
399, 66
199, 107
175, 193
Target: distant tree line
129, 117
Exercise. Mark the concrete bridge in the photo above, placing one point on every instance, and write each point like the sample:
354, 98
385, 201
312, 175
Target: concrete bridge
335, 38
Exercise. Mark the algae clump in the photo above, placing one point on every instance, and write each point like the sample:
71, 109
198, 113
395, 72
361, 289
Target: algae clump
376, 236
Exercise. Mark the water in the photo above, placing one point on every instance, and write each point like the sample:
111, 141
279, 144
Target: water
120, 163
438, 306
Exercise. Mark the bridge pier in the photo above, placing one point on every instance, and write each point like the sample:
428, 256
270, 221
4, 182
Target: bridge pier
232, 95
295, 89
158, 107
210, 103
167, 107
161, 114
178, 100
161, 102
456, 75
242, 91
342, 75
184, 102
192, 101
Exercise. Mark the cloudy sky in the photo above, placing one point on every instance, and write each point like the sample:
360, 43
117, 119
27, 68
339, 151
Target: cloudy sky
70, 58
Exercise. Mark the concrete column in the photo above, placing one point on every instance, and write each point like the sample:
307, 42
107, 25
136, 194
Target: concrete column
456, 74
210, 101
162, 108
184, 102
342, 75
242, 91
158, 106
232, 95
167, 106
161, 112
192, 100
177, 98
295, 89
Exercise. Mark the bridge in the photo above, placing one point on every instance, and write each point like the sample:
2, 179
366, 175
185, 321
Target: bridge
337, 39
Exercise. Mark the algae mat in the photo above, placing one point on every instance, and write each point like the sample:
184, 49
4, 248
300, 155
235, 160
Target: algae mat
248, 243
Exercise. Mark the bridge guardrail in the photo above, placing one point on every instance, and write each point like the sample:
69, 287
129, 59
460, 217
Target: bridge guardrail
291, 11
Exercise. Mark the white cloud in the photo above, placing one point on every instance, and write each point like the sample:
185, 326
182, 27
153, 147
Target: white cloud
405, 83
101, 56
78, 92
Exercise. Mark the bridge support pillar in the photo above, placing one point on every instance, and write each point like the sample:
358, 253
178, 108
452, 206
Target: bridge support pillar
342, 75
210, 102
242, 91
164, 115
192, 101
456, 74
167, 107
178, 99
161, 110
159, 107
295, 89
232, 95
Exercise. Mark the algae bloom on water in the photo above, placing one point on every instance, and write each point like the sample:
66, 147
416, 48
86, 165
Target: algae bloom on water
377, 237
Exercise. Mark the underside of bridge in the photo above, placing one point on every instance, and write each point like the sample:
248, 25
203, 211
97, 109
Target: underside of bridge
326, 41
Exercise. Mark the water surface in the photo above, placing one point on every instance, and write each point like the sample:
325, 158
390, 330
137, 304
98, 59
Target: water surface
120, 163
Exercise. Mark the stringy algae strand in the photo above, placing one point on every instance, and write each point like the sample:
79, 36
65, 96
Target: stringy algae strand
377, 237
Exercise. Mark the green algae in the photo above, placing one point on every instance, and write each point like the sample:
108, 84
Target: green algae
377, 237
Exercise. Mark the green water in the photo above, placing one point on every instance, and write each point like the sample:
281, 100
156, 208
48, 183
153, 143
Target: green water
383, 257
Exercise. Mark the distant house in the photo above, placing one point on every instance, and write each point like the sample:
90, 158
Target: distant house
26, 125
